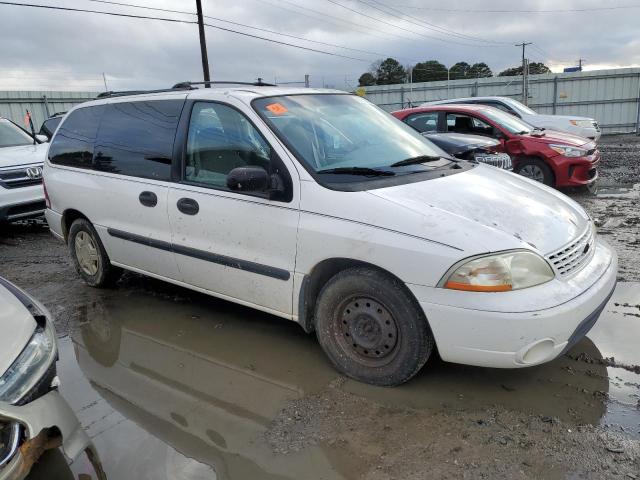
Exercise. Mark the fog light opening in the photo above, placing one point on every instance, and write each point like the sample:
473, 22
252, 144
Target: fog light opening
539, 352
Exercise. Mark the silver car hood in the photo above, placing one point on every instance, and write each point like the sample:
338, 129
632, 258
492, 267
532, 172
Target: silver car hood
492, 209
17, 326
23, 155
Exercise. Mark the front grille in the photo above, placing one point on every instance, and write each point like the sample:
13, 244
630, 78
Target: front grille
9, 442
591, 152
500, 160
592, 173
18, 177
570, 258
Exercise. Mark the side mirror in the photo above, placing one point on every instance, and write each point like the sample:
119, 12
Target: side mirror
42, 138
248, 179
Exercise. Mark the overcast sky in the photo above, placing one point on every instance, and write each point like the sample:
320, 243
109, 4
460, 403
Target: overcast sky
60, 50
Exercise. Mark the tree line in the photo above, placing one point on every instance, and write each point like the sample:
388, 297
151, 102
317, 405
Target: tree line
390, 71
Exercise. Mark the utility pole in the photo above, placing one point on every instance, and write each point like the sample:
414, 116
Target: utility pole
106, 89
203, 45
306, 80
524, 74
580, 60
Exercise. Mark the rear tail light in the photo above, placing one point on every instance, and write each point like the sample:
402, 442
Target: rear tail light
47, 202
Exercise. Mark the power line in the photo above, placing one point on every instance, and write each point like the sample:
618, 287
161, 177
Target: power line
173, 20
240, 25
444, 40
427, 25
563, 10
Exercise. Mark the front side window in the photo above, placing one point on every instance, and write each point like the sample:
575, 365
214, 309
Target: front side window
12, 135
461, 123
423, 122
136, 138
75, 138
346, 134
220, 139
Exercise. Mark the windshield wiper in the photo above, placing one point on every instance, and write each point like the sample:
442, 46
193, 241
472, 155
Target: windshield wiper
418, 159
369, 172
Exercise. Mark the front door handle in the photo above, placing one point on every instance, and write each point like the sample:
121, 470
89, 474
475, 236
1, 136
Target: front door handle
148, 199
188, 206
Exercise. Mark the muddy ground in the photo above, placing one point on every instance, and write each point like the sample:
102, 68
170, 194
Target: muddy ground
171, 384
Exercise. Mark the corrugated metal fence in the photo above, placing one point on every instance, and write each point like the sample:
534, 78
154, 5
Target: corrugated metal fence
612, 97
14, 104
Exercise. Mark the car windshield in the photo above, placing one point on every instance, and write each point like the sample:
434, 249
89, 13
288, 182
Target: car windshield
519, 107
12, 136
507, 121
339, 131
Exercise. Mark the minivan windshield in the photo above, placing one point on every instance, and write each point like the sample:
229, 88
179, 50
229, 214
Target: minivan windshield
346, 134
507, 121
13, 136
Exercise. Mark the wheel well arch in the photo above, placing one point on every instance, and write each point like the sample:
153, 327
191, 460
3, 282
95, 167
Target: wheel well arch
68, 217
320, 274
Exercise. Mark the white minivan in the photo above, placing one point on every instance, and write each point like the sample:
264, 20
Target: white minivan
317, 206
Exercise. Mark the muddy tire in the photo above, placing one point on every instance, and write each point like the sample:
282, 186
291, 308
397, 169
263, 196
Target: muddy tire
536, 169
89, 256
371, 328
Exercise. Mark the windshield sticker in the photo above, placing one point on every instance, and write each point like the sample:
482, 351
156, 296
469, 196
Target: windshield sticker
277, 108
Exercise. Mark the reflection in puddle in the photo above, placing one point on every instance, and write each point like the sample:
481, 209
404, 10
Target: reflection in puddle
190, 388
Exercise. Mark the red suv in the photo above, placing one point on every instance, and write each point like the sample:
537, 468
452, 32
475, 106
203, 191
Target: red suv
554, 158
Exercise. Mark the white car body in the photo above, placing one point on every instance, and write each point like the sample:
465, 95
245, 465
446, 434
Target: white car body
21, 193
41, 407
263, 253
581, 126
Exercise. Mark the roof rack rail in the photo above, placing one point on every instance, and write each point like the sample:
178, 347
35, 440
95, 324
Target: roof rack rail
124, 93
258, 83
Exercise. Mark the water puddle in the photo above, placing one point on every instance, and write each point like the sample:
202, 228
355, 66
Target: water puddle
188, 389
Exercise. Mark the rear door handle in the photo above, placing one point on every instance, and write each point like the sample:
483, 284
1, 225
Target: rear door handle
148, 199
188, 206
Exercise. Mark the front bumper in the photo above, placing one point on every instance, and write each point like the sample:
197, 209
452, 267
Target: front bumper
48, 412
20, 203
576, 172
521, 328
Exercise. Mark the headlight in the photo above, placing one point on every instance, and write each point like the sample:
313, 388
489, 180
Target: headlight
30, 366
581, 123
568, 150
501, 272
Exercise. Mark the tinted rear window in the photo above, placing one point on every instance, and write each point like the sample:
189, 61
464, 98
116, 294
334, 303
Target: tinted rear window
73, 143
136, 138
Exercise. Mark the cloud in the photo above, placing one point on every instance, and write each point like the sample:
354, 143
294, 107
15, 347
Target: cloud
46, 49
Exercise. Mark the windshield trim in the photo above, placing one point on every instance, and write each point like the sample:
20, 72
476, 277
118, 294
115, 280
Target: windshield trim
358, 184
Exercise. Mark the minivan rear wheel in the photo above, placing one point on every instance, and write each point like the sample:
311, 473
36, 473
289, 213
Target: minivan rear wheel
371, 328
89, 256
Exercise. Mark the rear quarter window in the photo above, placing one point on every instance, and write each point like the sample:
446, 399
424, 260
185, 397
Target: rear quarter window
136, 138
74, 141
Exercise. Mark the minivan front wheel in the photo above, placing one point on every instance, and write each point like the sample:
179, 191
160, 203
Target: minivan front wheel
89, 256
370, 327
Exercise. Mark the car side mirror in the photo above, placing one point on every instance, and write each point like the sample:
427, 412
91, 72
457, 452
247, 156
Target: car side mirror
248, 179
254, 179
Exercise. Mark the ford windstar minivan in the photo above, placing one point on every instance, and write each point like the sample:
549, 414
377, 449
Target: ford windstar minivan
319, 207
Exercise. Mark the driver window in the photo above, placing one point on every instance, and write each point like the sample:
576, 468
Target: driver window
220, 139
466, 124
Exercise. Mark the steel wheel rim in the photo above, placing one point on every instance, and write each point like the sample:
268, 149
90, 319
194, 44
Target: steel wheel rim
366, 331
87, 253
533, 172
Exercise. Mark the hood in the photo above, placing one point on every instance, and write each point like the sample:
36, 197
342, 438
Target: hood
18, 326
540, 120
492, 210
23, 155
554, 136
460, 142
